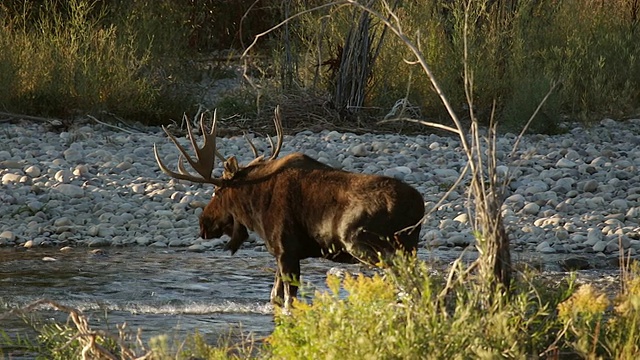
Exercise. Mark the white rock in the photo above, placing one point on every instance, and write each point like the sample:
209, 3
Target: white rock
81, 170
63, 176
9, 178
8, 236
566, 164
196, 248
33, 171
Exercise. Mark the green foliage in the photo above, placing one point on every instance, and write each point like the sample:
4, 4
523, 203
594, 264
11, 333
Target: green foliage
64, 58
596, 327
406, 315
517, 49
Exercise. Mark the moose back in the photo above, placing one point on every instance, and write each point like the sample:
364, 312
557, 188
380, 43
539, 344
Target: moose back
301, 208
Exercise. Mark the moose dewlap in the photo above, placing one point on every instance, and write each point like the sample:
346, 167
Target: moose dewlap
301, 208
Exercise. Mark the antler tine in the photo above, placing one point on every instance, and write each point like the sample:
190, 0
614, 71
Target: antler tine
278, 123
205, 156
251, 145
212, 134
183, 174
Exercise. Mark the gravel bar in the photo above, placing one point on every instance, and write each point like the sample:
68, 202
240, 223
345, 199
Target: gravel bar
574, 193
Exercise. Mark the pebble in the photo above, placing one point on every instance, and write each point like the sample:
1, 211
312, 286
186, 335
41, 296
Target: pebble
576, 193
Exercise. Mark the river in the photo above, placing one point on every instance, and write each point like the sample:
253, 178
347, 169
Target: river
161, 291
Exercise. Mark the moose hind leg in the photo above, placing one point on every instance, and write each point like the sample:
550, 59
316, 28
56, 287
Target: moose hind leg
277, 292
289, 269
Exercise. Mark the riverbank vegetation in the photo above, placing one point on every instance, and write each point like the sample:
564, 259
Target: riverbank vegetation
407, 314
152, 61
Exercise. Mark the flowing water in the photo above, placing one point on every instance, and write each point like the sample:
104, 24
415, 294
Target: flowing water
162, 291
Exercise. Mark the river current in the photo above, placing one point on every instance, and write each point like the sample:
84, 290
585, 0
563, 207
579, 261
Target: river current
167, 291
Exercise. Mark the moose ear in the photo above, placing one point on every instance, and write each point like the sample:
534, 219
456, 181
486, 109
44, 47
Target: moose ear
230, 167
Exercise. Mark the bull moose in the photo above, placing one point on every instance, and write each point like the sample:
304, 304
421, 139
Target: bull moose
300, 207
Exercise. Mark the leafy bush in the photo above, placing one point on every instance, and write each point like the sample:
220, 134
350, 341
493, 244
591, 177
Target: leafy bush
407, 315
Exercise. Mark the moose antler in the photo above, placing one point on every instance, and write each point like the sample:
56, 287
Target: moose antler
278, 123
205, 156
275, 150
207, 153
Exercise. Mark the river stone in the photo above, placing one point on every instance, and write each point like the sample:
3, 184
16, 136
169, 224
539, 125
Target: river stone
165, 224
72, 155
98, 242
81, 170
196, 248
33, 171
176, 243
143, 240
125, 165
359, 150
8, 236
105, 231
620, 204
574, 263
545, 248
462, 218
63, 176
562, 234
565, 164
9, 178
531, 209
10, 164
35, 205
70, 190
461, 240
62, 221
593, 236
600, 246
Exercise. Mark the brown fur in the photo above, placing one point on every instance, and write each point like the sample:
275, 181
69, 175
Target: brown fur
302, 208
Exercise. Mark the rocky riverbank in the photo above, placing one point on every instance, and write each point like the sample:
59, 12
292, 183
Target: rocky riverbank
575, 193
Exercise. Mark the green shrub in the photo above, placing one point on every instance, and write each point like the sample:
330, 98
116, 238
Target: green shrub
596, 327
408, 316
